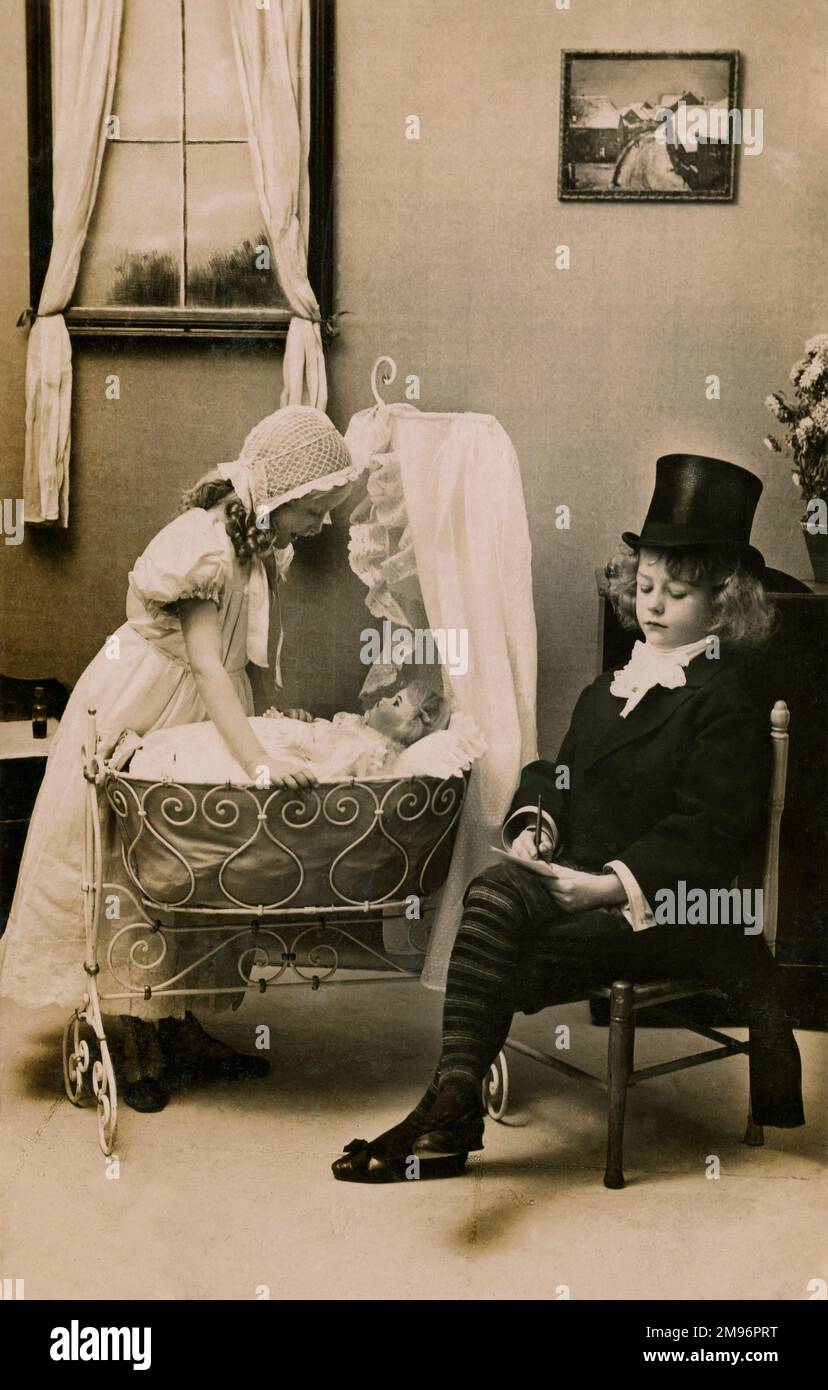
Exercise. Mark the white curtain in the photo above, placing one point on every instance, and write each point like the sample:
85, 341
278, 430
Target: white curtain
273, 59
85, 38
467, 519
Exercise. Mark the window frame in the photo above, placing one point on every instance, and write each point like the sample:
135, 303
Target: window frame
167, 320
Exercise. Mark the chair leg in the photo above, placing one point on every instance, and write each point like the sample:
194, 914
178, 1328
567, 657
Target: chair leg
621, 1048
754, 1134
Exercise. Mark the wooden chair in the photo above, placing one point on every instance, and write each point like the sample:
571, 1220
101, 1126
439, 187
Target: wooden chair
627, 999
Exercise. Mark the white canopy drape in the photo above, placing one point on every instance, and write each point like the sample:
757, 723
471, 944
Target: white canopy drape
85, 39
466, 519
272, 49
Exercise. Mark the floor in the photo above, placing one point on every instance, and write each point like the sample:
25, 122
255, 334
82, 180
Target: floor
227, 1193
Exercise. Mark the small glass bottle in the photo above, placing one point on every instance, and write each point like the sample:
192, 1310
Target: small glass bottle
40, 725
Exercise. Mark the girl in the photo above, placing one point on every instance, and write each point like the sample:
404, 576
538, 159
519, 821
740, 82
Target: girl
197, 612
667, 767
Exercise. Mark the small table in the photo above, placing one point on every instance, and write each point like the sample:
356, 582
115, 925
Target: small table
22, 764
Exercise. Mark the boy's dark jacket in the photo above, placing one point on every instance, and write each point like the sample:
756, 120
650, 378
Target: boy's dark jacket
677, 791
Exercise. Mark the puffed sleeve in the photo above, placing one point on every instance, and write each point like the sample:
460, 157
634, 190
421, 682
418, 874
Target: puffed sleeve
188, 559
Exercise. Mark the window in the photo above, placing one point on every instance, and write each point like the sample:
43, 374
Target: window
176, 242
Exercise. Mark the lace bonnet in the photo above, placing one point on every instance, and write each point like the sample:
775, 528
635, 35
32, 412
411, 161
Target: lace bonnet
290, 453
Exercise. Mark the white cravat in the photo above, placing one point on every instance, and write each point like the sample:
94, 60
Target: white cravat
649, 666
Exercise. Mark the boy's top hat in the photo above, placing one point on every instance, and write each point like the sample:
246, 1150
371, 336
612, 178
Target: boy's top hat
700, 501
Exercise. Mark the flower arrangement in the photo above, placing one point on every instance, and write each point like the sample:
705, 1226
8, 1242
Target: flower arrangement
806, 420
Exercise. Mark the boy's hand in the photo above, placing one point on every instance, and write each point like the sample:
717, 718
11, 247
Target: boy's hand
523, 845
572, 890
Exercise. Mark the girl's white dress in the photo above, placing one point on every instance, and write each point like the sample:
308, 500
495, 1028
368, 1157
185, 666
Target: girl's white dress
139, 680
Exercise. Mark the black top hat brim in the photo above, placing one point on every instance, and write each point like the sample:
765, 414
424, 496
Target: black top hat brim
658, 538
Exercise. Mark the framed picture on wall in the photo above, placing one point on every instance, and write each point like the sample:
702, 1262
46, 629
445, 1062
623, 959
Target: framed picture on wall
176, 242
652, 127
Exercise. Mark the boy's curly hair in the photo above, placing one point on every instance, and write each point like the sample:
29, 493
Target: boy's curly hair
247, 538
742, 615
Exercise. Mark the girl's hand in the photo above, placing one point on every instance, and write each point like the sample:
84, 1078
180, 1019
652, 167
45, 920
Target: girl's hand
572, 890
523, 845
302, 714
270, 773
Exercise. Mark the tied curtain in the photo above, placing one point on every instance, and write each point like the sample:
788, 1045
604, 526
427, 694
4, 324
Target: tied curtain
454, 544
85, 40
272, 48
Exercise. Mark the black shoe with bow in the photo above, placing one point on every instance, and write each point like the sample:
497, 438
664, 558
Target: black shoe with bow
436, 1145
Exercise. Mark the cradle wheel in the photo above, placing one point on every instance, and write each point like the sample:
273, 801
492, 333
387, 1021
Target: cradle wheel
496, 1087
77, 1059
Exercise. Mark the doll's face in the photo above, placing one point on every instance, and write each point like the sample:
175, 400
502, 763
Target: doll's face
671, 612
306, 516
396, 717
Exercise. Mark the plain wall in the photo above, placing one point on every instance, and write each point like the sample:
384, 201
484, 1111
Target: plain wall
445, 260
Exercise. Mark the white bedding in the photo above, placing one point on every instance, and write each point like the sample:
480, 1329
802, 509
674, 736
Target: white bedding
331, 749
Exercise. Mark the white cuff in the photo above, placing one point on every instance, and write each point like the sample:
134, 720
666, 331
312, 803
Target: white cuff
637, 910
530, 812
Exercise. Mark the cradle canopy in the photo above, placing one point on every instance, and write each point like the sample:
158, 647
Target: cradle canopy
442, 542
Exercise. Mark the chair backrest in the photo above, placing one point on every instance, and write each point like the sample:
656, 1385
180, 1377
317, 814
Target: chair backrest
780, 719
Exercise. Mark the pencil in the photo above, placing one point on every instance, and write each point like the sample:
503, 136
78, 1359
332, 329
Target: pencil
538, 830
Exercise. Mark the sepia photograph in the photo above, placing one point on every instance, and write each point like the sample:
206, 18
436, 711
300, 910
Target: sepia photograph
414, 594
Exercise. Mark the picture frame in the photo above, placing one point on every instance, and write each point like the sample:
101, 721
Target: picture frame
183, 319
640, 126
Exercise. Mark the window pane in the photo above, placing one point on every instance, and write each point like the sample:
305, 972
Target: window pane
214, 104
224, 230
133, 251
148, 95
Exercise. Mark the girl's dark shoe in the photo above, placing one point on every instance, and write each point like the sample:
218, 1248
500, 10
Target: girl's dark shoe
191, 1054
143, 1086
147, 1095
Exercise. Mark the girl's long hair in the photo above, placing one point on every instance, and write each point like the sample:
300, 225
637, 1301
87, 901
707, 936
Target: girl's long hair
742, 615
247, 538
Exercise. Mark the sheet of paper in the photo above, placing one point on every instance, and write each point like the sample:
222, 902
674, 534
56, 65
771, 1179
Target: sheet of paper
535, 866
